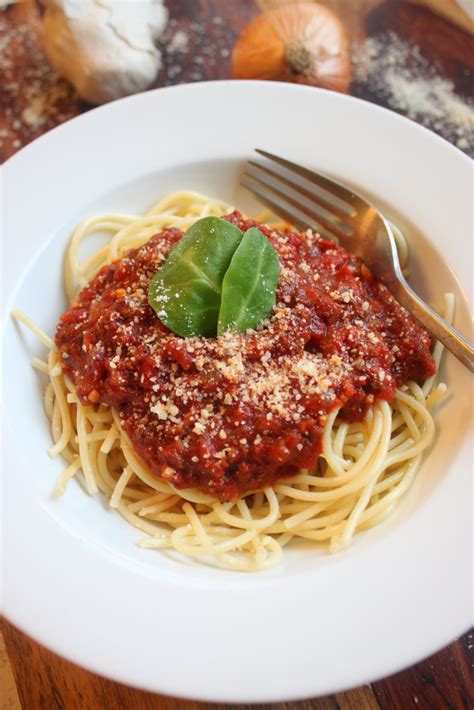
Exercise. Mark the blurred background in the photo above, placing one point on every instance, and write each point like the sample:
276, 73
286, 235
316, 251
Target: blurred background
60, 58
412, 56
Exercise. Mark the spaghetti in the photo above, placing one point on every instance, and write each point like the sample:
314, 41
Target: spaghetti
364, 469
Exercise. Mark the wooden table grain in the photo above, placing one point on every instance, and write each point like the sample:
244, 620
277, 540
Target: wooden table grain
33, 99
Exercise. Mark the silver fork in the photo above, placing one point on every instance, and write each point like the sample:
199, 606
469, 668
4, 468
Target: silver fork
337, 212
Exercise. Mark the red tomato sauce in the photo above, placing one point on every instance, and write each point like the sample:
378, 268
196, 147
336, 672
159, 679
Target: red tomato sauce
233, 414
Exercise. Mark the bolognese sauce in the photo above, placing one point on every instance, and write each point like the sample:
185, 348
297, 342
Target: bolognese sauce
233, 414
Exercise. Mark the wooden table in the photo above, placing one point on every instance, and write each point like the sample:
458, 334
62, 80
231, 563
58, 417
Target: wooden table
34, 99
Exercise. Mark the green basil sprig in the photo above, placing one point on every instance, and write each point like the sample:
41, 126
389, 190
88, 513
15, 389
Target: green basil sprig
186, 291
249, 285
215, 279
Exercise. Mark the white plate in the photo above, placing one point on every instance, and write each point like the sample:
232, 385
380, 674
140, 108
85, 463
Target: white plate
73, 576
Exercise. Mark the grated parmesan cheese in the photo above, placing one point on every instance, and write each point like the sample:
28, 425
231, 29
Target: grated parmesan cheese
396, 73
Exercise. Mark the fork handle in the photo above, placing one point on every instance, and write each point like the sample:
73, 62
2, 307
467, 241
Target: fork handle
456, 343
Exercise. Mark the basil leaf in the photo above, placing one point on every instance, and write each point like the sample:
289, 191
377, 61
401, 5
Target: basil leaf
249, 285
186, 291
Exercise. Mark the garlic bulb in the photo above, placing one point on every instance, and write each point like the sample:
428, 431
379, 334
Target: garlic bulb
105, 48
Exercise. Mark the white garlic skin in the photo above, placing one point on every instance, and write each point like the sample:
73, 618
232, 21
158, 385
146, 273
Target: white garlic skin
105, 48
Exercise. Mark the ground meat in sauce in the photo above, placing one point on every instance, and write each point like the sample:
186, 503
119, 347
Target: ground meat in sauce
233, 414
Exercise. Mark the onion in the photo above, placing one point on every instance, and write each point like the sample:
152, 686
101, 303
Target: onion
301, 42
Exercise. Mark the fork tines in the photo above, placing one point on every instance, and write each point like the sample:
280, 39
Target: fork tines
319, 206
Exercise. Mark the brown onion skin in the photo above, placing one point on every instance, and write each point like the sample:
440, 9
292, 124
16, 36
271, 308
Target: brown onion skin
261, 51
